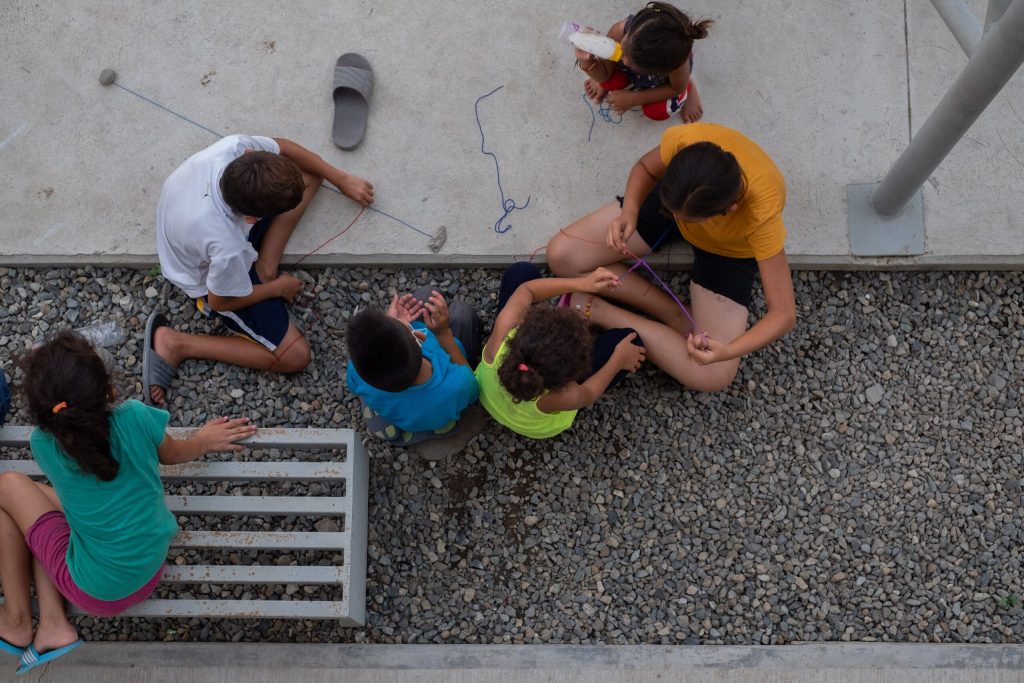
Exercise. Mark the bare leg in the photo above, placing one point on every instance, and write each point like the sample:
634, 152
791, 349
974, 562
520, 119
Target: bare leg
23, 502
721, 318
583, 249
281, 229
692, 109
292, 354
15, 562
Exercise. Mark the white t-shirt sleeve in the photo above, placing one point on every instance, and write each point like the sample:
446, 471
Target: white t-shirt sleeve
229, 275
257, 143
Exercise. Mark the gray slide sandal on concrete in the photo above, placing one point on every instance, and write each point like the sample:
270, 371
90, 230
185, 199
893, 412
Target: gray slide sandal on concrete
353, 83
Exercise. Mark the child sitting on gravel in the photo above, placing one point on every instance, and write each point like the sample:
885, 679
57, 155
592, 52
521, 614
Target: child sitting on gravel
540, 366
224, 219
415, 378
100, 536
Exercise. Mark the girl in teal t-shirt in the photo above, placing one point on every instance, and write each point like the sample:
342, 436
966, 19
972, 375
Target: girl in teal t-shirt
100, 535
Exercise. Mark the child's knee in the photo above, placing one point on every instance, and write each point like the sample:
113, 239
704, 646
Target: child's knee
717, 380
560, 256
12, 480
295, 358
617, 81
656, 111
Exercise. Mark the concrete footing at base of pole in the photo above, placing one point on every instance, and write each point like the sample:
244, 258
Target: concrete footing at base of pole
872, 234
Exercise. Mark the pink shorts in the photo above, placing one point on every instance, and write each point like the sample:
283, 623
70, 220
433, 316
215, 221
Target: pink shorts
48, 540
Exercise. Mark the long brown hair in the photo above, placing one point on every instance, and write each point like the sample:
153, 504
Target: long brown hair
550, 349
68, 390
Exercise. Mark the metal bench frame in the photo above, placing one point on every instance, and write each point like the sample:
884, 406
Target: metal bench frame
349, 610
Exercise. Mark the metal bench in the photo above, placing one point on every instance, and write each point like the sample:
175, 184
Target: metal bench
349, 508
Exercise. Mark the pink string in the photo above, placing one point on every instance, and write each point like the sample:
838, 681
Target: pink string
639, 262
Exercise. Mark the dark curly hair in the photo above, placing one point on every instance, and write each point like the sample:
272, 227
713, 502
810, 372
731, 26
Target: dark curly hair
262, 184
702, 181
554, 346
383, 351
67, 370
661, 38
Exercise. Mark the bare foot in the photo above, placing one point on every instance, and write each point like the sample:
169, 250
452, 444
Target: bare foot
594, 91
692, 110
17, 632
165, 345
54, 635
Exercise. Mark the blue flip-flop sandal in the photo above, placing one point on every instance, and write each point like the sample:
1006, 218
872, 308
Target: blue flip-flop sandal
30, 657
10, 648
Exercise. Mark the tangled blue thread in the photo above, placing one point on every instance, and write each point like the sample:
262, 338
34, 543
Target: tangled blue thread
508, 205
607, 114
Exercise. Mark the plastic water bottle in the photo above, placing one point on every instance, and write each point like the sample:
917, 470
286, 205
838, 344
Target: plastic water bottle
102, 333
589, 40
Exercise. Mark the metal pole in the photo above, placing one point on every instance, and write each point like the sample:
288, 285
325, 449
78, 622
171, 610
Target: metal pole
999, 55
996, 9
962, 22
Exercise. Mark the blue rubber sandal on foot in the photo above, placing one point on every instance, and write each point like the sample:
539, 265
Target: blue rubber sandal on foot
10, 648
30, 657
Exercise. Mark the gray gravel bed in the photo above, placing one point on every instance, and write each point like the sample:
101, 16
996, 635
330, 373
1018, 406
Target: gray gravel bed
860, 480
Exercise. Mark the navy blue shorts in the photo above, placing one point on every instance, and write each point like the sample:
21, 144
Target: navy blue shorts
265, 322
727, 276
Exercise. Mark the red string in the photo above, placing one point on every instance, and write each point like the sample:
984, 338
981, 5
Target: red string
311, 309
326, 242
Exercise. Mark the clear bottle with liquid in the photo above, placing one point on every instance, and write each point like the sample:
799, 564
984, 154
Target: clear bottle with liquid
102, 333
589, 40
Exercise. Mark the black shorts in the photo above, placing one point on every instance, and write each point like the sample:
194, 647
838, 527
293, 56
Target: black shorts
730, 277
264, 322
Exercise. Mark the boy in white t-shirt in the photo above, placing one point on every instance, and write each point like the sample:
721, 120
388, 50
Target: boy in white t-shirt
223, 221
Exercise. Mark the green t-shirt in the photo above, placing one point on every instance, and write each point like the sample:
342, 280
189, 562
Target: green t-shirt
522, 417
120, 529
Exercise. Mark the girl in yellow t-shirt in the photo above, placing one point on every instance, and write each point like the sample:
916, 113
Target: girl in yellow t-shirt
716, 189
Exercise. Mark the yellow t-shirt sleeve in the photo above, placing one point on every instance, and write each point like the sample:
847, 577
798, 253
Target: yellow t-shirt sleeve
767, 233
673, 140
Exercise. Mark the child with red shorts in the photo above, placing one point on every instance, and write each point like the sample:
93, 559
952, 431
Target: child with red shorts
657, 61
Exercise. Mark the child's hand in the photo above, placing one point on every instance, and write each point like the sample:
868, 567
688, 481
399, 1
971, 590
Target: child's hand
288, 286
619, 232
436, 313
220, 434
628, 355
620, 100
599, 280
357, 188
405, 308
704, 350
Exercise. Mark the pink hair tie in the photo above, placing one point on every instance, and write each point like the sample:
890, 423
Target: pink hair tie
523, 367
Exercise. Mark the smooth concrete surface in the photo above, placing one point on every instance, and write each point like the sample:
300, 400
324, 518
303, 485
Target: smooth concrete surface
822, 86
809, 663
988, 162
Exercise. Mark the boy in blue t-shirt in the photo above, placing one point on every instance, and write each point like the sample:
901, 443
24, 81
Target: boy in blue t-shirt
416, 377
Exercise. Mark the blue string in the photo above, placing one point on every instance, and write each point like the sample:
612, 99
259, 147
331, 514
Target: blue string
220, 135
508, 204
606, 112
169, 111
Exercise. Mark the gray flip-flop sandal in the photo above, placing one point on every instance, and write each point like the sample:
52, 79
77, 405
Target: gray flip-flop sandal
353, 83
382, 429
155, 370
